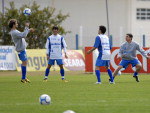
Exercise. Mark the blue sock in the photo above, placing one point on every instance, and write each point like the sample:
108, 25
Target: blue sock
135, 74
110, 75
113, 78
47, 72
23, 68
62, 72
98, 75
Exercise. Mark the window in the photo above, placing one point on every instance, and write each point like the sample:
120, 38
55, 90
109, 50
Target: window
143, 14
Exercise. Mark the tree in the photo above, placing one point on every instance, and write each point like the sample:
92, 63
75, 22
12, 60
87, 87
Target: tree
41, 20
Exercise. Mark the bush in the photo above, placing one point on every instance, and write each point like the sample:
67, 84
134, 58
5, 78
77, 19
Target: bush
41, 20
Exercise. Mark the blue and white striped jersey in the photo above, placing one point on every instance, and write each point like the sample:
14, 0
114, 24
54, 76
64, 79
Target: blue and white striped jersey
102, 43
54, 46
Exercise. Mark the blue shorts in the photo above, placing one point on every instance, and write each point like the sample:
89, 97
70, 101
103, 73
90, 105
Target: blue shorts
102, 62
52, 61
22, 56
125, 63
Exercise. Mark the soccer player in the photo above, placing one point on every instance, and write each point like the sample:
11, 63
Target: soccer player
54, 45
103, 46
20, 45
127, 53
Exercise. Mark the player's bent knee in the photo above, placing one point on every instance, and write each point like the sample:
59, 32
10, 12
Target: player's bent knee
107, 67
139, 66
96, 68
49, 66
24, 63
61, 66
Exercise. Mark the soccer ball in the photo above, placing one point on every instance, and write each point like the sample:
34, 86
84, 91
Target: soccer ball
27, 11
119, 73
69, 111
134, 68
45, 99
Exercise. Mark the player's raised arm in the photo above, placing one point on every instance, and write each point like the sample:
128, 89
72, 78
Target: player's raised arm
24, 34
142, 51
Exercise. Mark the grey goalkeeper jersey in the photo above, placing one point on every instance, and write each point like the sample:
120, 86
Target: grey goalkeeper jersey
19, 39
128, 50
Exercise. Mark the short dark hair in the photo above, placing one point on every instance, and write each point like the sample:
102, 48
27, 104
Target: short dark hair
102, 29
55, 28
130, 35
12, 22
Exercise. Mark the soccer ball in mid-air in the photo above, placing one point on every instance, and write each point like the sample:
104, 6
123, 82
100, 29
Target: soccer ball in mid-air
45, 99
27, 11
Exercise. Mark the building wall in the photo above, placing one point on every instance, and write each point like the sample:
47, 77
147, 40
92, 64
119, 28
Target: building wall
140, 27
87, 15
91, 13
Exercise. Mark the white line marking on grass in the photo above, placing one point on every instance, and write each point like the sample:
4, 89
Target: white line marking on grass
101, 101
18, 104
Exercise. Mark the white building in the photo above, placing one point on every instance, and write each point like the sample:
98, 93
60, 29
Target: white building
125, 16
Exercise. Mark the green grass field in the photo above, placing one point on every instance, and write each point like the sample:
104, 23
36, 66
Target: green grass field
79, 94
